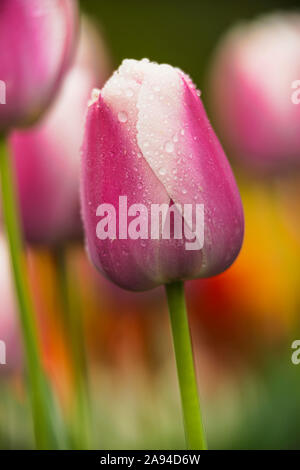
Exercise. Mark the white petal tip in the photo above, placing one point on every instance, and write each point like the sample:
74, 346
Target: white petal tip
94, 96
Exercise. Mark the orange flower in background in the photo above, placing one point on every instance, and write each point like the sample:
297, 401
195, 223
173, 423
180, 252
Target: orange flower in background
56, 357
255, 301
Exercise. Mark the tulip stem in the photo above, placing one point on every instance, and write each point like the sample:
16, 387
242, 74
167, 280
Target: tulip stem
194, 431
39, 392
69, 289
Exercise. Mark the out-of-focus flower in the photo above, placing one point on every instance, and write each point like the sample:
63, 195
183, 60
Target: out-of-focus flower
252, 78
47, 156
50, 317
148, 138
36, 46
9, 330
247, 309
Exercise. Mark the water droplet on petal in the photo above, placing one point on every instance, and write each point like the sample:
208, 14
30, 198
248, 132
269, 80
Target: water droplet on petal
122, 116
169, 147
94, 96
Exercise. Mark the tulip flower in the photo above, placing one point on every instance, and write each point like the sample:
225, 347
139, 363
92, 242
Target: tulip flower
9, 328
148, 138
36, 44
255, 89
159, 200
47, 156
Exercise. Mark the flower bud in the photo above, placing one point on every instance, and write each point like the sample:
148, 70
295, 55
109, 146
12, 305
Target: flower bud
255, 91
47, 156
148, 143
36, 45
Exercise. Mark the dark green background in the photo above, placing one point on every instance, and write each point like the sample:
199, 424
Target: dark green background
182, 33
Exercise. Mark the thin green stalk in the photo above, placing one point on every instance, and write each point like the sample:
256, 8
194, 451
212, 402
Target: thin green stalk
39, 392
80, 425
194, 431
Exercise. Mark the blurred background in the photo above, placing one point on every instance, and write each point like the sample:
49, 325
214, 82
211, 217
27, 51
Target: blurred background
243, 321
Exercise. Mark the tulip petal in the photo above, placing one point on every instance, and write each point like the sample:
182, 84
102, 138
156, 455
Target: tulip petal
113, 166
182, 149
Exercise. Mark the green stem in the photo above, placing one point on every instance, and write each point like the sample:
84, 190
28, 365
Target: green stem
68, 282
38, 388
194, 431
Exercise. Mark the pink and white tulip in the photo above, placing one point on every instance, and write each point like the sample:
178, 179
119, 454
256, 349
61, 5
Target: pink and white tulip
148, 138
255, 75
47, 156
36, 47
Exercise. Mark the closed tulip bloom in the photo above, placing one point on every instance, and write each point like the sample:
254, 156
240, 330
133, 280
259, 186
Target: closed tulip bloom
10, 341
148, 141
36, 46
255, 90
47, 156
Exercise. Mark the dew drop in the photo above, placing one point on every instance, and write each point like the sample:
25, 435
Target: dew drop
94, 96
169, 147
162, 171
122, 116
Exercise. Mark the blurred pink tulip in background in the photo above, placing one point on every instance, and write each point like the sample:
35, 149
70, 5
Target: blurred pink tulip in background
37, 39
47, 156
253, 82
